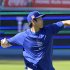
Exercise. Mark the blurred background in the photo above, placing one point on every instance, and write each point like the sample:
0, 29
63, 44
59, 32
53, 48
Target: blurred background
13, 14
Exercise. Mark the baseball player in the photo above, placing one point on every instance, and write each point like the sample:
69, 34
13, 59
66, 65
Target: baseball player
36, 42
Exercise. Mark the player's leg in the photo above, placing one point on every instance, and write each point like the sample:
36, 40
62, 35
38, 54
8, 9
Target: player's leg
28, 65
34, 68
27, 68
43, 65
31, 66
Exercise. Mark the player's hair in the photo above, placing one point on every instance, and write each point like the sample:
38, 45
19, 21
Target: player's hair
31, 23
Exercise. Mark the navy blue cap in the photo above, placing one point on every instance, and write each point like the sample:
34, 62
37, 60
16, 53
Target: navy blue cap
33, 15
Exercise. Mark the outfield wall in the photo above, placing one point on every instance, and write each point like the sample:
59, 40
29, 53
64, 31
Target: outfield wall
9, 27
58, 54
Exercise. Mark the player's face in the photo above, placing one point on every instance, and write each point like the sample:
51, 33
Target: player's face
39, 22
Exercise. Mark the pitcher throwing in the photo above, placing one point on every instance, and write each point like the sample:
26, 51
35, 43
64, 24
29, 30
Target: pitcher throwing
36, 42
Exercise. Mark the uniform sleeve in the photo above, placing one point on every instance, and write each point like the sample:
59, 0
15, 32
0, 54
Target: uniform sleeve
56, 27
17, 39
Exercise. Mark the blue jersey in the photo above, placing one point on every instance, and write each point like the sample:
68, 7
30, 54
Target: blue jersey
38, 46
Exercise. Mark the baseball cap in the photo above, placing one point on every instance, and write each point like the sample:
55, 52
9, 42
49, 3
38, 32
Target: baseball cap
34, 15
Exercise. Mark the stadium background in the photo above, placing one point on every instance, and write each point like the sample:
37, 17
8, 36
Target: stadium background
13, 20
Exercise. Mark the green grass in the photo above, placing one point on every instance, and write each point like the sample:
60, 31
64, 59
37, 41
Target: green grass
11, 65
61, 65
19, 65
